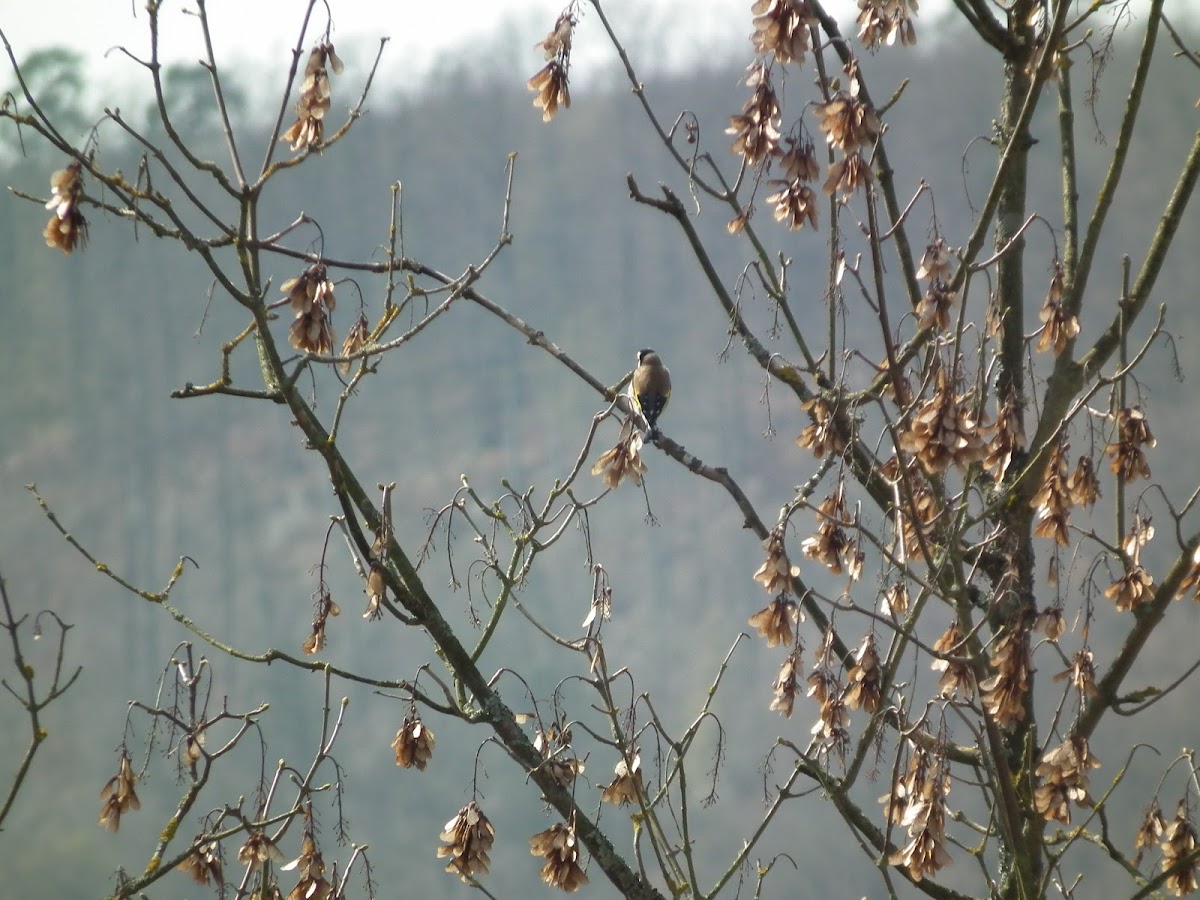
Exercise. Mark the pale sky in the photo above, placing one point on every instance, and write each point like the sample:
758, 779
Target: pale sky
419, 29
425, 35
258, 28
676, 32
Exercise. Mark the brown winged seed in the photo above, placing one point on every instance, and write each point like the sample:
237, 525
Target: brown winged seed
467, 840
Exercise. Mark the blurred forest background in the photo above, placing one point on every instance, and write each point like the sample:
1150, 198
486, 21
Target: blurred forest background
91, 346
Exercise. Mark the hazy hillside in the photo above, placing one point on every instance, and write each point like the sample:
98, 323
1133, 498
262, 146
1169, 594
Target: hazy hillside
91, 346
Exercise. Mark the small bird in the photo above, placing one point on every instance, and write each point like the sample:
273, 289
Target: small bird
650, 388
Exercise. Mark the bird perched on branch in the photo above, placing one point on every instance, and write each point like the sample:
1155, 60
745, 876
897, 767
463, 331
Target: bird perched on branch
650, 388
